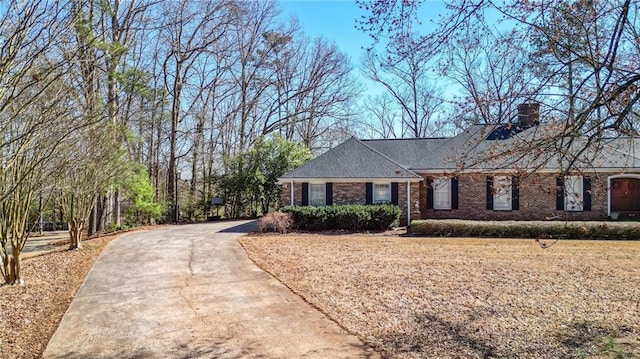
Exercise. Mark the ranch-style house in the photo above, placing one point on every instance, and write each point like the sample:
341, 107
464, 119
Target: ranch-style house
490, 172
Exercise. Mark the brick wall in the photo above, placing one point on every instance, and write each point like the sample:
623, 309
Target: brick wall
349, 193
285, 193
415, 201
537, 200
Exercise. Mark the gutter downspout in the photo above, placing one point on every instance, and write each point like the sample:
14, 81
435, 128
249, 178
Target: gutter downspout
292, 194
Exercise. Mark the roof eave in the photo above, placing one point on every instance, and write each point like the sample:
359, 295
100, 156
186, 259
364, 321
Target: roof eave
350, 180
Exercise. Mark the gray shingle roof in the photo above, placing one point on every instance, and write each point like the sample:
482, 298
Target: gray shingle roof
533, 148
351, 159
432, 153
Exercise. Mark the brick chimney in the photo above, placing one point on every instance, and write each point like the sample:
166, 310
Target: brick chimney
528, 114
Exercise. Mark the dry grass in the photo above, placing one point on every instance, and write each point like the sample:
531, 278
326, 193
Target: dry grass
30, 314
467, 298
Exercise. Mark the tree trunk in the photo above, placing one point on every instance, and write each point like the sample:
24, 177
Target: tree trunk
11, 274
172, 196
75, 232
101, 214
109, 208
5, 266
15, 270
93, 219
116, 205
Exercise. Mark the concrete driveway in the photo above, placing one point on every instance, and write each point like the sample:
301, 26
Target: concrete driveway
191, 292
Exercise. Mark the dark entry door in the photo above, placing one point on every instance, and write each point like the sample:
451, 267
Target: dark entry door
625, 195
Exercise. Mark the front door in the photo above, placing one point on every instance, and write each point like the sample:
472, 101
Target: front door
625, 195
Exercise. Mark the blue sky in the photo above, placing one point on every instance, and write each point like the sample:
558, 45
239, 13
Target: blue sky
334, 20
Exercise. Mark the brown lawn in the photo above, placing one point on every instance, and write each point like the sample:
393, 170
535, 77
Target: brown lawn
29, 315
466, 298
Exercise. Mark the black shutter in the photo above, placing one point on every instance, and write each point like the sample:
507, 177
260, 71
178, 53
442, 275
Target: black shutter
489, 192
515, 194
328, 194
586, 193
305, 193
369, 193
454, 193
394, 193
559, 194
429, 192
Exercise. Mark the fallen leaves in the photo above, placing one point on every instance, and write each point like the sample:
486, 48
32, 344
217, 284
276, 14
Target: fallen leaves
30, 314
421, 297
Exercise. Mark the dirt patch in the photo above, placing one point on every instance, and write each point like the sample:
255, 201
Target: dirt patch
471, 298
30, 314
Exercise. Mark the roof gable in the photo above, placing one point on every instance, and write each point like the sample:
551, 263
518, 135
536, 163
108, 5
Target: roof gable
350, 160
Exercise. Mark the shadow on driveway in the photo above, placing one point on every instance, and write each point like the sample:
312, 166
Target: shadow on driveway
242, 228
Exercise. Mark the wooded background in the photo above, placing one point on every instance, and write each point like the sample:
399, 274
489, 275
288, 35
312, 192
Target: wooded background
115, 113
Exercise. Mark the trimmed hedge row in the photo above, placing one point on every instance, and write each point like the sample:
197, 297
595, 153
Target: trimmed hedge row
351, 216
514, 229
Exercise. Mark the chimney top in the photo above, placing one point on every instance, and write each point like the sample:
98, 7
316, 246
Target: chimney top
529, 114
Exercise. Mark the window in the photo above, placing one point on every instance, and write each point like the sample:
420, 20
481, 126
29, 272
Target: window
502, 193
381, 193
573, 193
441, 193
316, 194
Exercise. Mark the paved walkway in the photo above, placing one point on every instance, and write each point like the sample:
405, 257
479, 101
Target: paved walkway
191, 292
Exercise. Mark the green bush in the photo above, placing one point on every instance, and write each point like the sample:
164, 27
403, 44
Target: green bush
515, 229
352, 217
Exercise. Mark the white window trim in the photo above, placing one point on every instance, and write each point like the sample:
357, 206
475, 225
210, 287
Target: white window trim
378, 200
324, 194
502, 193
444, 184
574, 197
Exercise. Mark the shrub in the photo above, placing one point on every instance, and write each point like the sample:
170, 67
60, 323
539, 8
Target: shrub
275, 222
515, 229
351, 217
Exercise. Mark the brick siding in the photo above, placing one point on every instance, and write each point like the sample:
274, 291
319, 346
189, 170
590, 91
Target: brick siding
537, 200
349, 193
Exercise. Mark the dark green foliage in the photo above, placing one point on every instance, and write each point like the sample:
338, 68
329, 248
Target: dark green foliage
351, 217
250, 180
515, 229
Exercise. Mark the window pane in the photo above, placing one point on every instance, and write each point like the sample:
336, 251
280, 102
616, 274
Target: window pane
381, 193
573, 193
442, 193
502, 193
316, 194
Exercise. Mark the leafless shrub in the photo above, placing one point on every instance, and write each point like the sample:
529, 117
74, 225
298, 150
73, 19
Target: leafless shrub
275, 222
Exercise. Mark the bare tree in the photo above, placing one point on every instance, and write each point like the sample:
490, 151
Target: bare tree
584, 51
190, 31
407, 82
32, 103
383, 120
256, 39
97, 163
492, 73
328, 90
